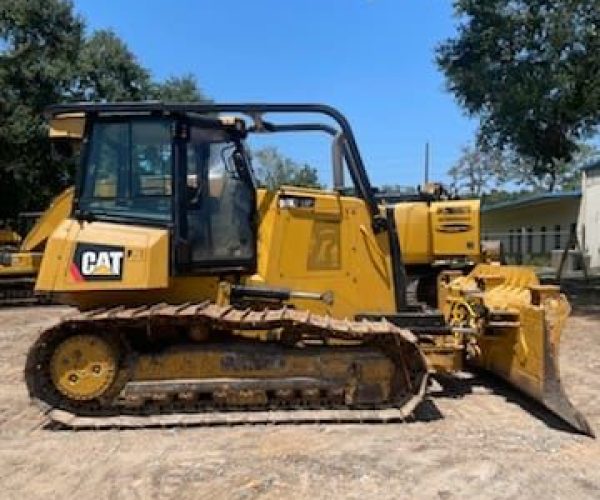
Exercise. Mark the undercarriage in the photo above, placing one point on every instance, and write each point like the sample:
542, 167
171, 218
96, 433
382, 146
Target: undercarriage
203, 363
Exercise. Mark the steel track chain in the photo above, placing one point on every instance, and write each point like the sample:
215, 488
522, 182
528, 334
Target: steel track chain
400, 345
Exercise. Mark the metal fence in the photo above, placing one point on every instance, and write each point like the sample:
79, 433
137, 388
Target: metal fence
528, 245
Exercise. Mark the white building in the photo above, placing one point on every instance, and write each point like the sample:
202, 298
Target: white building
531, 228
588, 225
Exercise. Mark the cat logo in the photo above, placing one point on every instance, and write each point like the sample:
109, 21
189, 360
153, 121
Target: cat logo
97, 263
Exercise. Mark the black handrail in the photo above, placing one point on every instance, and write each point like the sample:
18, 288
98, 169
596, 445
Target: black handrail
356, 165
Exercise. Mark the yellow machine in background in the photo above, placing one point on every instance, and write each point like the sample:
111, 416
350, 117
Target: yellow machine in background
438, 231
20, 257
202, 293
20, 260
9, 238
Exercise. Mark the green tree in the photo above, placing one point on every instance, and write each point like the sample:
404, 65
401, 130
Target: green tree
501, 195
567, 174
274, 170
477, 171
487, 172
39, 45
179, 89
530, 70
108, 71
45, 59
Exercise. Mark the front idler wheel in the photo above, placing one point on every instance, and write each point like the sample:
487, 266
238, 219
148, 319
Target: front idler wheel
84, 367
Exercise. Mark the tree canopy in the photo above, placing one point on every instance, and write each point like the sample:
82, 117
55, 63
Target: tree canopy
567, 173
40, 43
274, 170
476, 171
530, 71
493, 173
107, 70
178, 89
46, 58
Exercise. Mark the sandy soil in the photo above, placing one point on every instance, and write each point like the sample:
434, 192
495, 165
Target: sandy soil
476, 438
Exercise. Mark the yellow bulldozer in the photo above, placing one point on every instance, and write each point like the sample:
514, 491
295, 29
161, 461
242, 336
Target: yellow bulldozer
205, 298
20, 257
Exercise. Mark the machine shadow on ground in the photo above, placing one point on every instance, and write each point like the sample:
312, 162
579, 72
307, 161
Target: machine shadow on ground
482, 382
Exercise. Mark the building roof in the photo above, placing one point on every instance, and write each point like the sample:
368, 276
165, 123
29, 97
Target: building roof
537, 199
591, 165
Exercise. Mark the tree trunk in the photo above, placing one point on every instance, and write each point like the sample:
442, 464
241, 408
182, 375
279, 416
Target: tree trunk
552, 184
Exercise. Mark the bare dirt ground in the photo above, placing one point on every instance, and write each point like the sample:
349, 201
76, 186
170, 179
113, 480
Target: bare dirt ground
475, 439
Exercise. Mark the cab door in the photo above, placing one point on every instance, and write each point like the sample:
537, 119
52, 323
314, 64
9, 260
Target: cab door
216, 204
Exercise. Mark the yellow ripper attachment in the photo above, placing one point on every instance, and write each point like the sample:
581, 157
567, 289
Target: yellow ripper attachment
511, 326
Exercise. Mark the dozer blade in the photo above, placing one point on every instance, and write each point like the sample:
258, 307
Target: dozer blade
553, 395
520, 337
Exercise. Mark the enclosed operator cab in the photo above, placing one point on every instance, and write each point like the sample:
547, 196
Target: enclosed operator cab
157, 197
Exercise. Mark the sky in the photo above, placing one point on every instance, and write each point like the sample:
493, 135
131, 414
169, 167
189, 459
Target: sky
372, 59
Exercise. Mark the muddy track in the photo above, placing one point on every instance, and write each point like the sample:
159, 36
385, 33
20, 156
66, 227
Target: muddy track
409, 380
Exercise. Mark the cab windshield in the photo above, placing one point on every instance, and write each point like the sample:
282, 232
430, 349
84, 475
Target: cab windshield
128, 170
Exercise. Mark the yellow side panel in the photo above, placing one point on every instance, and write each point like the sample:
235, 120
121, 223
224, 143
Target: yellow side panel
414, 230
180, 290
455, 228
83, 256
54, 260
59, 209
318, 241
